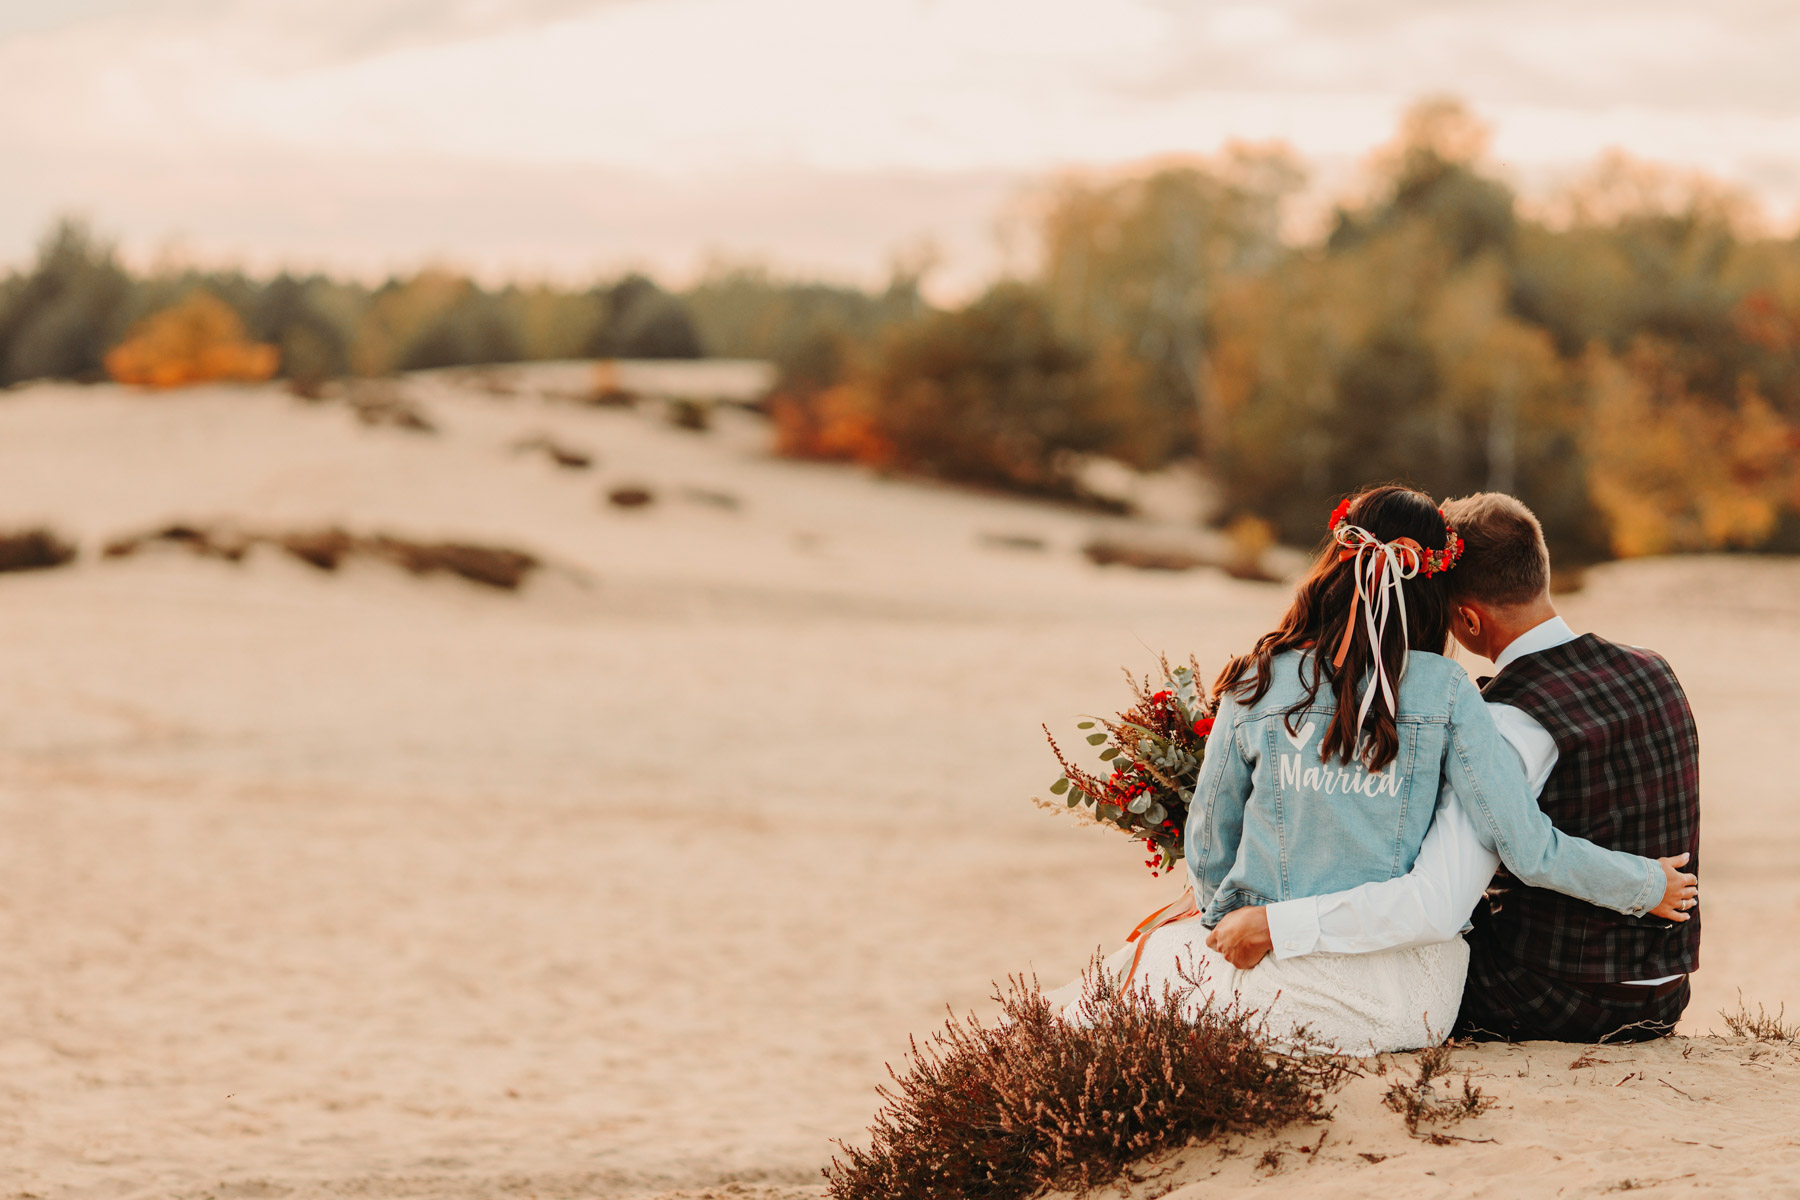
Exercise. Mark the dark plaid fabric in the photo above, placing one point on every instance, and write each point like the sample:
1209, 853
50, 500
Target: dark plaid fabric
1628, 778
1505, 1000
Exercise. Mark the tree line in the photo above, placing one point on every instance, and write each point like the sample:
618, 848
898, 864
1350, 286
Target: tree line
1624, 356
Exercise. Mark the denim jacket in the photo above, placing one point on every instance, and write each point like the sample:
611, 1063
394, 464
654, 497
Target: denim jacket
1269, 821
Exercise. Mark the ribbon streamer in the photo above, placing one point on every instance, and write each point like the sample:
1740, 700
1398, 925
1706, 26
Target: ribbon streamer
1378, 571
1181, 910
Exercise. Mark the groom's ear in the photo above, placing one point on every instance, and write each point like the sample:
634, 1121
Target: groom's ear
1467, 625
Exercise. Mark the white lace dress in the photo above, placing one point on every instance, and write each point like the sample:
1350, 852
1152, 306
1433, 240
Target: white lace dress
1353, 1003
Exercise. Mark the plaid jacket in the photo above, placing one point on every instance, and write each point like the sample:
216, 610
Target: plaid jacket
1628, 778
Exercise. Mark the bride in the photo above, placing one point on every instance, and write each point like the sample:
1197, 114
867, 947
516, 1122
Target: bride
1333, 735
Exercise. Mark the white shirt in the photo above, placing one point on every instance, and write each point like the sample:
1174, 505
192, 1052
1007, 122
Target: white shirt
1432, 902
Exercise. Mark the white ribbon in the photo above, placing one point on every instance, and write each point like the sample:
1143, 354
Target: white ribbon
1379, 568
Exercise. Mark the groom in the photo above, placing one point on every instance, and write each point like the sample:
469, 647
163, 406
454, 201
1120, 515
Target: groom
1609, 744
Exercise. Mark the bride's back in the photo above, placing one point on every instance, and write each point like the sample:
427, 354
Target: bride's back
1337, 719
1311, 825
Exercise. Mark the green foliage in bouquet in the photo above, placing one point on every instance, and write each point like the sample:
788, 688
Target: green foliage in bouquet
1155, 748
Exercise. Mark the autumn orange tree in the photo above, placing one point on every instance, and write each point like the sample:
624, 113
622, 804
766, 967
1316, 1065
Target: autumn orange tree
200, 339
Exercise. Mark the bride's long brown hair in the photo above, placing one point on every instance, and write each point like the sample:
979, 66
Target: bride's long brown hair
1322, 608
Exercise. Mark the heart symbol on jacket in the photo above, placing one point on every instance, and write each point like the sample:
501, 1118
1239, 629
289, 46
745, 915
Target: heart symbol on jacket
1304, 736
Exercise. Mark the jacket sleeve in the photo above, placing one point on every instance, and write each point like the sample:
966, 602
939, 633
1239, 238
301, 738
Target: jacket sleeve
1215, 823
1485, 773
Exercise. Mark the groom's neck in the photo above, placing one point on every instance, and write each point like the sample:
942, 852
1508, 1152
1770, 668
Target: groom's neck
1515, 621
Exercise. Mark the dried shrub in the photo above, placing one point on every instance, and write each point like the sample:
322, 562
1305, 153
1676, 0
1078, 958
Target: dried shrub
328, 548
223, 543
1013, 541
1104, 552
708, 498
383, 404
562, 455
1038, 1102
1420, 1103
1763, 1026
630, 496
695, 416
494, 566
34, 550
325, 549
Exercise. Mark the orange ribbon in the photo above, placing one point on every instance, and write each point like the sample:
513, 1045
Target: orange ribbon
1181, 910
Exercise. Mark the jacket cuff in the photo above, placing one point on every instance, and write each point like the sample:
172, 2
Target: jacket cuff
1294, 926
1655, 882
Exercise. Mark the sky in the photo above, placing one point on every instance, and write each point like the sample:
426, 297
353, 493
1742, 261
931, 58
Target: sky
565, 138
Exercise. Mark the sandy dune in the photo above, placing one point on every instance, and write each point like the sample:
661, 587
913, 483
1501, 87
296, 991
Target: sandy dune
361, 884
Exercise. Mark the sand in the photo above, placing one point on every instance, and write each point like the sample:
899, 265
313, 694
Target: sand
629, 883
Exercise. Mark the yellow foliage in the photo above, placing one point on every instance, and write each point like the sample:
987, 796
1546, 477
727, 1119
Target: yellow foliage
398, 314
199, 340
1673, 472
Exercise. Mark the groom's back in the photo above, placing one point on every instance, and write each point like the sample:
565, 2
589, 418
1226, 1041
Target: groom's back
1628, 778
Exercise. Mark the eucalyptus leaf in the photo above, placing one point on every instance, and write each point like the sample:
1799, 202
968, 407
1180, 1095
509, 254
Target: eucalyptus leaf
1074, 800
1085, 725
1108, 754
1140, 804
1094, 739
1157, 814
1060, 786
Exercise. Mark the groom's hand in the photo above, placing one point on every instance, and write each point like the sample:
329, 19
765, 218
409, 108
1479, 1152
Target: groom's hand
1242, 937
1680, 891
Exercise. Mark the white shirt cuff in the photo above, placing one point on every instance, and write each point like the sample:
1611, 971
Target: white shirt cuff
1294, 926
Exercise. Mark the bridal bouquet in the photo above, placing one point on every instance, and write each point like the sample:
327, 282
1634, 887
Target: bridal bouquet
1155, 748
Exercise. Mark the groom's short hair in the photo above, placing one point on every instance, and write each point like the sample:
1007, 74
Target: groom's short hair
1505, 561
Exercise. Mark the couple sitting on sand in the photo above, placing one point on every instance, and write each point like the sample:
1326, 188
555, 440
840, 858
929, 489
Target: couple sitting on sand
1359, 794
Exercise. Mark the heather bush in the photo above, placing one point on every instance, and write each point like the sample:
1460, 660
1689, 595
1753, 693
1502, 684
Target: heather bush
1037, 1102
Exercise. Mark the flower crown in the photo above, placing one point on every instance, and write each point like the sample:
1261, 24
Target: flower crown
1429, 562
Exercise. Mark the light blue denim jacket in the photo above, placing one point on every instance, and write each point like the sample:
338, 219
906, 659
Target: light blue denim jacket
1269, 821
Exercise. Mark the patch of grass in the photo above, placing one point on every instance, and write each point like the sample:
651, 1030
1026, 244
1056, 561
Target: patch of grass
1763, 1026
1037, 1101
1420, 1103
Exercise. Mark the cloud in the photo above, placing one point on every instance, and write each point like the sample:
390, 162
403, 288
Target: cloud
1735, 55
280, 101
